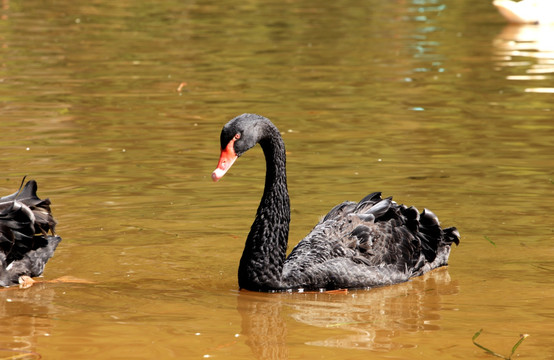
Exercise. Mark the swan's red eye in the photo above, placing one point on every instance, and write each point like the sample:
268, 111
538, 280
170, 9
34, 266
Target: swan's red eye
237, 136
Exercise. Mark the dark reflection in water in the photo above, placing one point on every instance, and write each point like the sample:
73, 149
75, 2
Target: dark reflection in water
369, 320
30, 319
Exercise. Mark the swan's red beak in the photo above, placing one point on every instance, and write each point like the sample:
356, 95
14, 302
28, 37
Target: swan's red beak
226, 160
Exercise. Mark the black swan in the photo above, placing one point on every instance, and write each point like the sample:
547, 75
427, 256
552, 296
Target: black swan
25, 246
371, 243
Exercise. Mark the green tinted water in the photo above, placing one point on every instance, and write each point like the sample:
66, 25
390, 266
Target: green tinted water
439, 104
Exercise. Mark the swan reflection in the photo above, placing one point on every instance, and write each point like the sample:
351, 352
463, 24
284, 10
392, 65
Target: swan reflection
25, 312
371, 320
530, 47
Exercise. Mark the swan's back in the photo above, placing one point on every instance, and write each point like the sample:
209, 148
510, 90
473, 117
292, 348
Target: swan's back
371, 243
27, 238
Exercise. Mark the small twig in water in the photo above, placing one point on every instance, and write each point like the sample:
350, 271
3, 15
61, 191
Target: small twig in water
514, 348
489, 240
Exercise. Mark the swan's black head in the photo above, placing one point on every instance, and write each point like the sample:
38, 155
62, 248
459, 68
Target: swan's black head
248, 127
238, 136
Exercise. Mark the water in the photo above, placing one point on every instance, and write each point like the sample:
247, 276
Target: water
438, 103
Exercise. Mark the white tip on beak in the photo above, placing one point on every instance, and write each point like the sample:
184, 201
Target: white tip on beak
218, 174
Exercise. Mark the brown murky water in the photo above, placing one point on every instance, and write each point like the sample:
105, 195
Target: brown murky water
438, 103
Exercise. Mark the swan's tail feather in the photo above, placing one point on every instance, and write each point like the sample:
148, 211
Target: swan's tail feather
433, 237
412, 217
452, 235
25, 222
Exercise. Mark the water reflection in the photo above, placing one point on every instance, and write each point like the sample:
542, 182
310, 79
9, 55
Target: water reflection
28, 313
424, 45
530, 47
374, 320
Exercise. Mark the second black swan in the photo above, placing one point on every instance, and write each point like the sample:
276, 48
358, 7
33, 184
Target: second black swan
27, 237
373, 242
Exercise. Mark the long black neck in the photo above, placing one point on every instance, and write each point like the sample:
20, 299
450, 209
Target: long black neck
262, 261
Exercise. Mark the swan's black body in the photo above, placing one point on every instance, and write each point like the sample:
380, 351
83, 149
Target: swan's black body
374, 242
25, 246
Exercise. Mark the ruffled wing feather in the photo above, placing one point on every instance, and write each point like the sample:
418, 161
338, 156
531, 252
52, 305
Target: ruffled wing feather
25, 243
370, 243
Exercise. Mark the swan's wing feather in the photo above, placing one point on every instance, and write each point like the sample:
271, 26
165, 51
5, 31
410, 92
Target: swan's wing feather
31, 263
380, 239
372, 198
25, 221
339, 210
379, 209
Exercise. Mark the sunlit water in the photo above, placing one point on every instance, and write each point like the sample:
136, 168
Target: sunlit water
438, 103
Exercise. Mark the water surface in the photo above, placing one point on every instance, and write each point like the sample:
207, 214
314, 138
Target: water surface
438, 103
